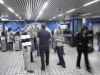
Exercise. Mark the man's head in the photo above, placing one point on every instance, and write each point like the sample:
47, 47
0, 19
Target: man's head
43, 26
84, 29
9, 29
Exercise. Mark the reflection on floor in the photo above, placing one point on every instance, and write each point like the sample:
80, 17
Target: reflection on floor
11, 63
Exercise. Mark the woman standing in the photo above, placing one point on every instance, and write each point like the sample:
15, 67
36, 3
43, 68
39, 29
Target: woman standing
59, 47
82, 47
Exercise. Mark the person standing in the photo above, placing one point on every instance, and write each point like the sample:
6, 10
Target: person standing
27, 50
82, 47
59, 47
10, 38
44, 37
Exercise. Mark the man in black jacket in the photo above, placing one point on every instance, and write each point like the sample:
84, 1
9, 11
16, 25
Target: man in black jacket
44, 37
82, 47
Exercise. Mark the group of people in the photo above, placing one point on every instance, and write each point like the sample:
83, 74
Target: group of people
7, 39
45, 37
29, 44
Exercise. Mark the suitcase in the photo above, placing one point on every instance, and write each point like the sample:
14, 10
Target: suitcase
3, 44
17, 43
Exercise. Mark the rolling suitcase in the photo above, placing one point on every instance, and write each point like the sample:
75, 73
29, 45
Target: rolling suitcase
3, 44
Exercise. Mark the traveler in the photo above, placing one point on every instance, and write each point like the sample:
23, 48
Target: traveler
44, 37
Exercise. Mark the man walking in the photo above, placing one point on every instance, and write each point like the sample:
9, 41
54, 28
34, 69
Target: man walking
44, 37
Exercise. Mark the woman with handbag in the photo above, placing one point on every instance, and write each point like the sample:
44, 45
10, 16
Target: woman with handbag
82, 47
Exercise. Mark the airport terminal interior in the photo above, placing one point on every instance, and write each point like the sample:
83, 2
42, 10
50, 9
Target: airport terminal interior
49, 37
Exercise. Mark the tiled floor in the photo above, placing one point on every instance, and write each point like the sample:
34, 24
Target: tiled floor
11, 63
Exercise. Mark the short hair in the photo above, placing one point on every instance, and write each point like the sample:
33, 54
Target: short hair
43, 26
9, 29
84, 28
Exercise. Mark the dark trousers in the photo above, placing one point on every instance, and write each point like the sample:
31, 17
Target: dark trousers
44, 51
10, 45
60, 54
86, 59
62, 50
31, 56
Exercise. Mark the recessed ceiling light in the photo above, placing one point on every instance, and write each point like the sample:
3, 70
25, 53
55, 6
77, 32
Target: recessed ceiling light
60, 15
11, 9
41, 11
96, 16
70, 10
50, 19
53, 17
16, 14
20, 18
1, 1
86, 14
45, 5
92, 2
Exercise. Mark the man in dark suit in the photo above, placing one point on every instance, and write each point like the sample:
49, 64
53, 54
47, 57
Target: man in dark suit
82, 47
44, 37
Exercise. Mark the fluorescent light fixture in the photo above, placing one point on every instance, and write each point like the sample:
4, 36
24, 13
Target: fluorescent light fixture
16, 14
86, 14
45, 5
41, 12
70, 10
20, 18
50, 19
11, 9
1, 1
92, 2
53, 17
96, 16
60, 15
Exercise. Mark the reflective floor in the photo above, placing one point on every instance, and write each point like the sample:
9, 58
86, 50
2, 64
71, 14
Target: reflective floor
11, 63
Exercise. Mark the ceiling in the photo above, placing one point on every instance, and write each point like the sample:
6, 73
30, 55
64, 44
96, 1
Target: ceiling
29, 9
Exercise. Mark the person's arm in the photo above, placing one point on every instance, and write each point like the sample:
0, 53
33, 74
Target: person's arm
38, 35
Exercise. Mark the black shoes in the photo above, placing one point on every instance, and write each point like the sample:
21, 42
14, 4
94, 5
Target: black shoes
30, 71
89, 70
61, 65
47, 64
78, 67
43, 69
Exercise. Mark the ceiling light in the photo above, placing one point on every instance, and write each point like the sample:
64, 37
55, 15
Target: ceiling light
20, 18
70, 10
50, 19
1, 1
92, 2
96, 16
53, 17
45, 5
86, 14
11, 9
60, 15
16, 14
41, 12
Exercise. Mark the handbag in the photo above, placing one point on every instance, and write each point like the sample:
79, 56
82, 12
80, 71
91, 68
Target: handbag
90, 48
